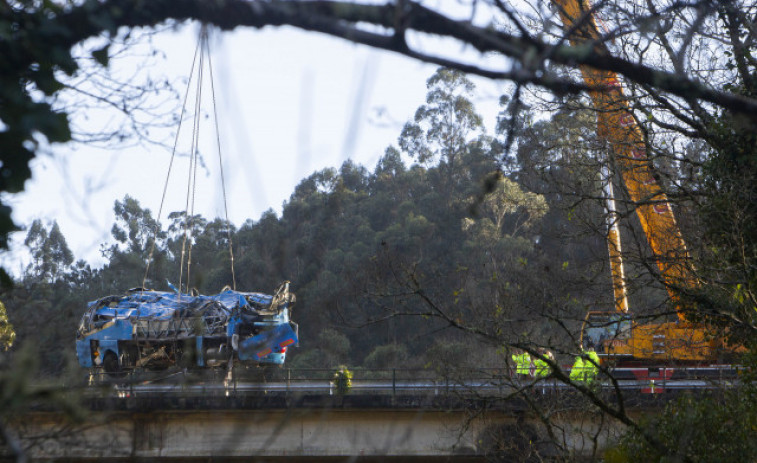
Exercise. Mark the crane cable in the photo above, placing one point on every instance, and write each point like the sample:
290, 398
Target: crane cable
202, 50
189, 209
156, 229
220, 166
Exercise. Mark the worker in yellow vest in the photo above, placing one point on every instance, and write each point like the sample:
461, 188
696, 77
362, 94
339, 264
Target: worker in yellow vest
541, 367
586, 366
522, 362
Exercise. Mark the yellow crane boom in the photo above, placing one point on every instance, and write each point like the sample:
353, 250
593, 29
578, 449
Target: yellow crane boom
616, 124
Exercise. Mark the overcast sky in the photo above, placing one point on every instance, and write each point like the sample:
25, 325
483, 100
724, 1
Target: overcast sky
290, 103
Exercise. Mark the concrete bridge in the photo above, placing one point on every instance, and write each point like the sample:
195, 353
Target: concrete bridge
280, 422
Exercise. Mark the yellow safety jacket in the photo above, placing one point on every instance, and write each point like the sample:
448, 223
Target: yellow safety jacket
522, 363
577, 370
542, 368
584, 370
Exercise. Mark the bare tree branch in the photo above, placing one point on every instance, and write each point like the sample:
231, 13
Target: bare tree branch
354, 22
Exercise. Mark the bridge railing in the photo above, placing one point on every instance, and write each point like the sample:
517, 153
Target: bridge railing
293, 380
391, 381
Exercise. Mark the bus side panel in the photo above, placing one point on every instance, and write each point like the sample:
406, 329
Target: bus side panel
84, 352
107, 339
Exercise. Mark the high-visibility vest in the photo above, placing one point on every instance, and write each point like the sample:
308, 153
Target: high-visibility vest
577, 370
591, 368
542, 368
583, 369
522, 363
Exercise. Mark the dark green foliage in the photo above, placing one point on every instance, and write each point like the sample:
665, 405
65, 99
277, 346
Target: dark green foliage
730, 217
728, 298
30, 55
718, 427
387, 356
326, 350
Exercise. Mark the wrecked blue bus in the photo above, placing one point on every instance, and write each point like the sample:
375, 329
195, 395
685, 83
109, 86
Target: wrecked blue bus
146, 329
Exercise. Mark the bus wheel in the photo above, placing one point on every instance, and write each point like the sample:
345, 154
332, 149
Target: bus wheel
111, 365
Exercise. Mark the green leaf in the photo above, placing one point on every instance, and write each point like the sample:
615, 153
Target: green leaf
6, 282
101, 55
46, 81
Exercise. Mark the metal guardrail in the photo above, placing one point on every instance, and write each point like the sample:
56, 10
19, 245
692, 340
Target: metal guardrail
392, 381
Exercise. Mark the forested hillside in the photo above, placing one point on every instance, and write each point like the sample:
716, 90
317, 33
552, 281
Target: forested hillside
457, 247
385, 262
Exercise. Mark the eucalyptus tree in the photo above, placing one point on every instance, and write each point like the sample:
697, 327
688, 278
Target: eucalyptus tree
137, 242
443, 128
51, 256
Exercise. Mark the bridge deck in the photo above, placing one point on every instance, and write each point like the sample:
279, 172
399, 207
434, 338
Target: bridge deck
382, 419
